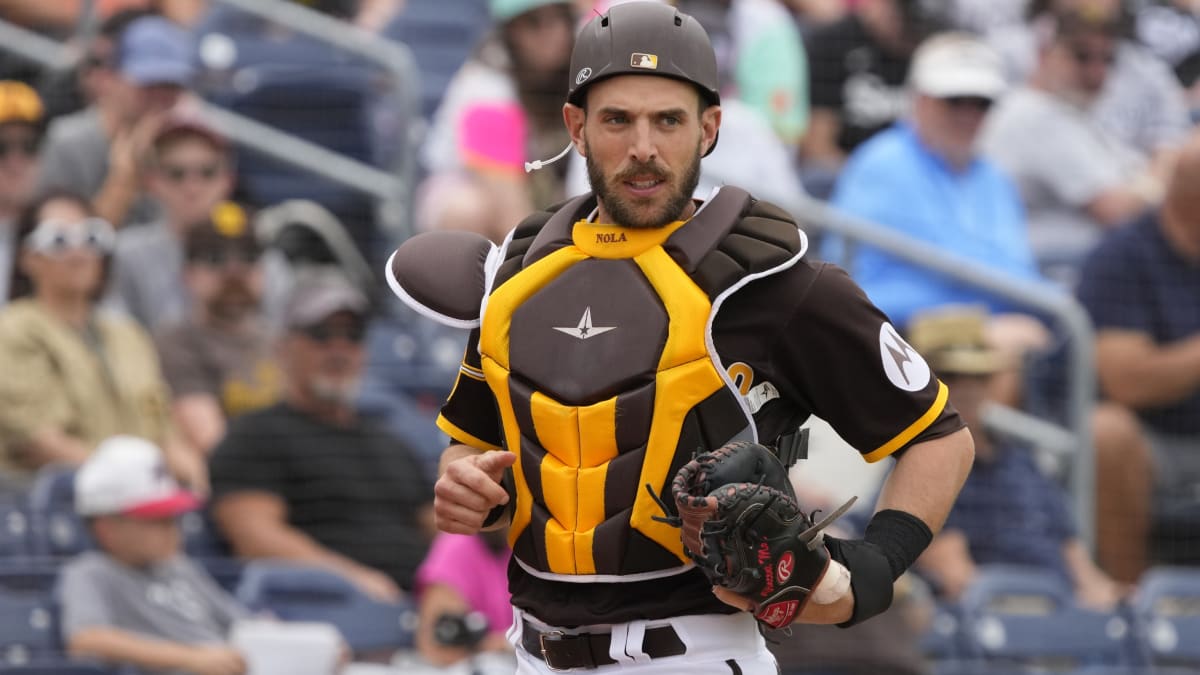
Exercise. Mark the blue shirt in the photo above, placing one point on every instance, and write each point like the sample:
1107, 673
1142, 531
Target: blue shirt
894, 180
1135, 281
1012, 513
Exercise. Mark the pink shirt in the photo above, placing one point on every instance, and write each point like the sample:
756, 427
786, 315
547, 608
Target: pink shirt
466, 564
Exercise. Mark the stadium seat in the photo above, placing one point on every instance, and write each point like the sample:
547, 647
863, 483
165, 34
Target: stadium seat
227, 572
56, 530
1166, 609
942, 642
300, 593
441, 35
1019, 618
14, 530
28, 628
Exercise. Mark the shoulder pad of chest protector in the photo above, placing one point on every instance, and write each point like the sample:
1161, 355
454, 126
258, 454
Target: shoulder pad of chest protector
442, 275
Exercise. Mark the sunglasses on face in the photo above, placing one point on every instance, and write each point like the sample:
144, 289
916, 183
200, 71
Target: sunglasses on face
178, 173
52, 237
26, 147
324, 333
977, 103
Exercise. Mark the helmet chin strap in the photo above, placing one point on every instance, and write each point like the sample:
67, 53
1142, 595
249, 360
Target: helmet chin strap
539, 163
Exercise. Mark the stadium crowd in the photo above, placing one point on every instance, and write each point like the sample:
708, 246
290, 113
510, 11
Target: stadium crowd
174, 302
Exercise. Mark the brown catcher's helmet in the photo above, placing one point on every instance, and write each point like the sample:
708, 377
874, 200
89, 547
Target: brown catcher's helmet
644, 38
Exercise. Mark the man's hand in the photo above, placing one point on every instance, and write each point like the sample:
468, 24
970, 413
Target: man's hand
215, 660
130, 149
189, 467
468, 489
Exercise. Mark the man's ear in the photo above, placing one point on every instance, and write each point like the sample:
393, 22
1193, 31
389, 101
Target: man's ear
710, 124
574, 118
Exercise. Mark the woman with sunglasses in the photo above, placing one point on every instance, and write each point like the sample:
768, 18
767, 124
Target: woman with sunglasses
73, 375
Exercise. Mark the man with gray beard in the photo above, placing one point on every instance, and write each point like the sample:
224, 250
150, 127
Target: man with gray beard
310, 479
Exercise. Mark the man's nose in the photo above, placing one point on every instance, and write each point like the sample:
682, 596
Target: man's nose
644, 147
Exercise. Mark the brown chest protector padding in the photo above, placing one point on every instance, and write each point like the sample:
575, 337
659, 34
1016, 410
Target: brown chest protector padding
604, 380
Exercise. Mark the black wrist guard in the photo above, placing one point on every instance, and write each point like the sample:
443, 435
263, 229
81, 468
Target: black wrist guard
893, 542
901, 536
870, 576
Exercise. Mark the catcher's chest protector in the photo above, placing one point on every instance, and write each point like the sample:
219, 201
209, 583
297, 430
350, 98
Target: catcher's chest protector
596, 343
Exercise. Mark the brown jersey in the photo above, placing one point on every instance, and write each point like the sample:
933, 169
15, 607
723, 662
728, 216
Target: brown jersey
806, 341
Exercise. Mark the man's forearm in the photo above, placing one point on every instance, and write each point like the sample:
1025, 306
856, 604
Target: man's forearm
927, 478
1139, 374
118, 646
115, 198
52, 446
913, 505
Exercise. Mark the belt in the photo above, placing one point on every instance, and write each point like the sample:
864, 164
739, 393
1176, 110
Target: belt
561, 651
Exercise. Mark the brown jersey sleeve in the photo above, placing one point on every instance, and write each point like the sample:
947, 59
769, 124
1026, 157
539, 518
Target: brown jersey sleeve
840, 356
470, 415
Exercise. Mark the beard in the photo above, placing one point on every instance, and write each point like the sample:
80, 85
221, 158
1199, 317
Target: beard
340, 391
625, 212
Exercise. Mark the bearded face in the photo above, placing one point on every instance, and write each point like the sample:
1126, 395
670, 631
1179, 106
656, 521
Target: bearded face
645, 194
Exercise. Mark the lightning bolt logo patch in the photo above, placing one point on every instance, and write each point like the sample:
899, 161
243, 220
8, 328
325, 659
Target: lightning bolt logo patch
903, 365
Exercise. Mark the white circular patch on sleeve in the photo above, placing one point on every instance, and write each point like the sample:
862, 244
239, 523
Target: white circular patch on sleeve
904, 366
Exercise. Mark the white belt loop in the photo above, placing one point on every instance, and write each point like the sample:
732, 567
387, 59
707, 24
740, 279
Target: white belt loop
616, 643
515, 631
630, 644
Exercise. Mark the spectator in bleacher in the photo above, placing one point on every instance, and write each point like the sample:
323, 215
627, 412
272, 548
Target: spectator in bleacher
312, 480
1008, 512
21, 120
464, 574
219, 360
1141, 102
502, 107
1141, 287
1076, 178
857, 69
102, 151
925, 179
138, 600
190, 175
73, 374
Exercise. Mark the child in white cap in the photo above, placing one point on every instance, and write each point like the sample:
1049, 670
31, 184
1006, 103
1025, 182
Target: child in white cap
137, 599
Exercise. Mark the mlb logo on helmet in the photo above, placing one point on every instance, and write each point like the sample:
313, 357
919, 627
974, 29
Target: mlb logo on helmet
647, 61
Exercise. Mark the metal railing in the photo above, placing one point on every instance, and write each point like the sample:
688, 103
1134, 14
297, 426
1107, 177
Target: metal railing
1043, 297
398, 61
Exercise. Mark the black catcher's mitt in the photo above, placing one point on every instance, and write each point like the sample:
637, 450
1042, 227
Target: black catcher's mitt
742, 526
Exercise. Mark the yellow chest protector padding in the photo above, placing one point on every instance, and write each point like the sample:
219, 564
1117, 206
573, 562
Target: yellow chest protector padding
595, 342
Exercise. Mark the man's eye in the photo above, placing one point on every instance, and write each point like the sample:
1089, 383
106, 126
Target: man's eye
671, 121
616, 119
